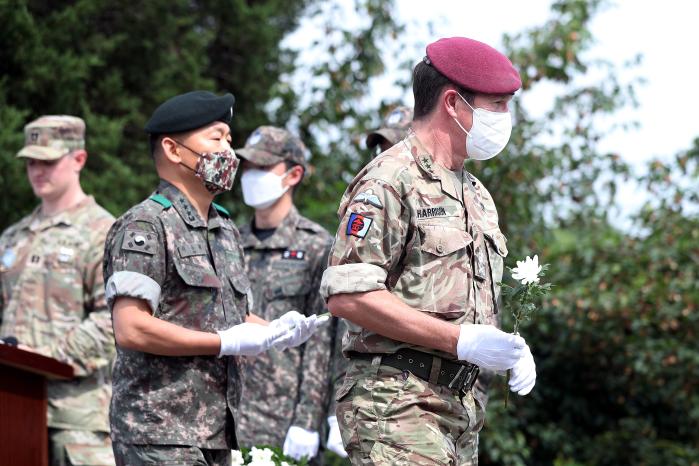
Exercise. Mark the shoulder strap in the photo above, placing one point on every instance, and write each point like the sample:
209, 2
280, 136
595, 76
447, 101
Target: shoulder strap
162, 200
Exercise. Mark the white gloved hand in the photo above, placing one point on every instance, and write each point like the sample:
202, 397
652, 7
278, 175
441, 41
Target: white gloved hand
290, 319
523, 377
299, 331
489, 348
250, 339
334, 443
301, 442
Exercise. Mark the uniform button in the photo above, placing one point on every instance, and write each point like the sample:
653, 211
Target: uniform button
440, 248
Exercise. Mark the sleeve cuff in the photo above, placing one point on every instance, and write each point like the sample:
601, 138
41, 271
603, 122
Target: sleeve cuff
352, 278
133, 285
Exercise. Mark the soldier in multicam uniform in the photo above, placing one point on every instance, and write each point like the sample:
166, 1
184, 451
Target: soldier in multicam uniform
394, 128
285, 256
179, 297
415, 269
52, 293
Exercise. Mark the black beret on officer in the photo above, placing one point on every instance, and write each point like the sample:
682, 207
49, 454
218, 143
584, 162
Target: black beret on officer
186, 112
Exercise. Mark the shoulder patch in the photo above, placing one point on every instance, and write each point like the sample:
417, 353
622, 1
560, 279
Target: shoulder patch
368, 197
162, 200
358, 225
221, 209
140, 241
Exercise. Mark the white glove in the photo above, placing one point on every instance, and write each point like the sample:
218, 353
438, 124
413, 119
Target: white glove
334, 443
250, 339
298, 330
523, 375
489, 348
289, 319
301, 442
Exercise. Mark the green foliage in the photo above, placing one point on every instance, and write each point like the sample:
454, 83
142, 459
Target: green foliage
614, 341
113, 62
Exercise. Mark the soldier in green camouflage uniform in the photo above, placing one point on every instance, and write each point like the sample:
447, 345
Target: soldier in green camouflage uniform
414, 269
285, 256
176, 284
52, 293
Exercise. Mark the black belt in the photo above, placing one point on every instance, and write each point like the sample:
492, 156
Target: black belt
455, 375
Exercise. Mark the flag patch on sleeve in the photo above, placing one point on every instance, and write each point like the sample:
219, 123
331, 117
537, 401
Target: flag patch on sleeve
358, 225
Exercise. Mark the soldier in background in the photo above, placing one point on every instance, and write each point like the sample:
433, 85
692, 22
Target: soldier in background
285, 256
395, 127
52, 293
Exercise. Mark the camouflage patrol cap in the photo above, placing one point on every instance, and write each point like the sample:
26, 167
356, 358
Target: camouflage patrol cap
394, 127
268, 145
50, 137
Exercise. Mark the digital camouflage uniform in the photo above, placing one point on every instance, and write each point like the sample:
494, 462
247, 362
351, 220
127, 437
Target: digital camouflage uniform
52, 299
286, 388
190, 272
405, 229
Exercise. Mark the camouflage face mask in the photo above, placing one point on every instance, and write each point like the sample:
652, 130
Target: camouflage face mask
216, 169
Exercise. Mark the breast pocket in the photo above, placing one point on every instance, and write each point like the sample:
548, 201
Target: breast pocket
242, 291
443, 270
194, 267
64, 286
443, 241
287, 281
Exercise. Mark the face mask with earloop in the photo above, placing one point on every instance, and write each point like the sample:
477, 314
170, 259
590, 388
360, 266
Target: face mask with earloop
262, 188
489, 133
215, 169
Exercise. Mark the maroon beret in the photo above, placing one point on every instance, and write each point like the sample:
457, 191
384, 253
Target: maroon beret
473, 65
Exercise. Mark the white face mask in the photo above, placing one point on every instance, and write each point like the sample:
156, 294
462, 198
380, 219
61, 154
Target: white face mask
489, 134
262, 188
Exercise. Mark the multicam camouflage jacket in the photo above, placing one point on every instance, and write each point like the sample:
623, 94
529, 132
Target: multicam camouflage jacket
285, 388
52, 299
191, 274
416, 229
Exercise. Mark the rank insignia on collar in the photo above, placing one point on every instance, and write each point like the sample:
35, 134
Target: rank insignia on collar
368, 197
294, 254
358, 225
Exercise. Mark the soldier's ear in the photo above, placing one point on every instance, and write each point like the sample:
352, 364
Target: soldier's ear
80, 157
449, 99
170, 149
295, 175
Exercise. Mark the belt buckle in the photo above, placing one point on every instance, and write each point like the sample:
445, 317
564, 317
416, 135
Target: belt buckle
470, 378
465, 383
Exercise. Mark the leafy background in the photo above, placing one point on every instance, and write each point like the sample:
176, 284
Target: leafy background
615, 342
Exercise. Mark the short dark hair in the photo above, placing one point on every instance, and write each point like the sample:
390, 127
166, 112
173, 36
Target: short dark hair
428, 84
154, 143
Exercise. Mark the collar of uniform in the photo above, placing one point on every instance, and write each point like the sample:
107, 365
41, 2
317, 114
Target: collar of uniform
282, 235
39, 222
422, 157
431, 168
185, 208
